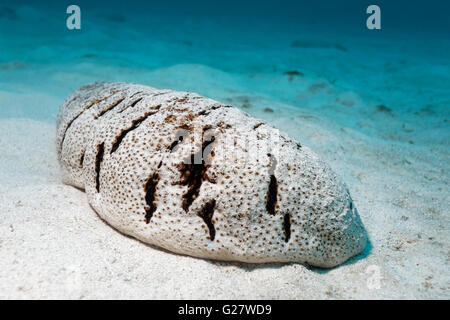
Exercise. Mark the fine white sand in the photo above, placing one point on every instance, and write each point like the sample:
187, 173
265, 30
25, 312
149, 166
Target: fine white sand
53, 245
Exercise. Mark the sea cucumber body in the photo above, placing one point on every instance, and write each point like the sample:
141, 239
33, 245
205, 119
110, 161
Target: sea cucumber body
197, 177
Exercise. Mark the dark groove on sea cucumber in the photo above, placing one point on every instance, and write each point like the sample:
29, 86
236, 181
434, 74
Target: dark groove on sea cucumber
175, 143
256, 126
67, 128
150, 190
131, 105
208, 111
98, 161
115, 104
136, 123
287, 227
221, 106
193, 174
272, 195
181, 133
272, 190
87, 107
136, 93
82, 159
206, 214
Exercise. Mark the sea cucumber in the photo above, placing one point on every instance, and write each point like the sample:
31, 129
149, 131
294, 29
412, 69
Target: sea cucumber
196, 177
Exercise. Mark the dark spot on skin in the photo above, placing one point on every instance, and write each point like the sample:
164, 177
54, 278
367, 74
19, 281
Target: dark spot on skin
170, 118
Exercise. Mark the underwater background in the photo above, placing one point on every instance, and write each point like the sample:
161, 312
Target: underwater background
374, 104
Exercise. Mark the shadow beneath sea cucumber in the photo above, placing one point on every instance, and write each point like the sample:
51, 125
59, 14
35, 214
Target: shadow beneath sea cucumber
246, 266
277, 265
364, 254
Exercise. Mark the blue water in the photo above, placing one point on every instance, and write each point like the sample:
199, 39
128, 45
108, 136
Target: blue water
314, 58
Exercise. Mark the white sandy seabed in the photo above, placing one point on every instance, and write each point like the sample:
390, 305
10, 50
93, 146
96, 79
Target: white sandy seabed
389, 142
